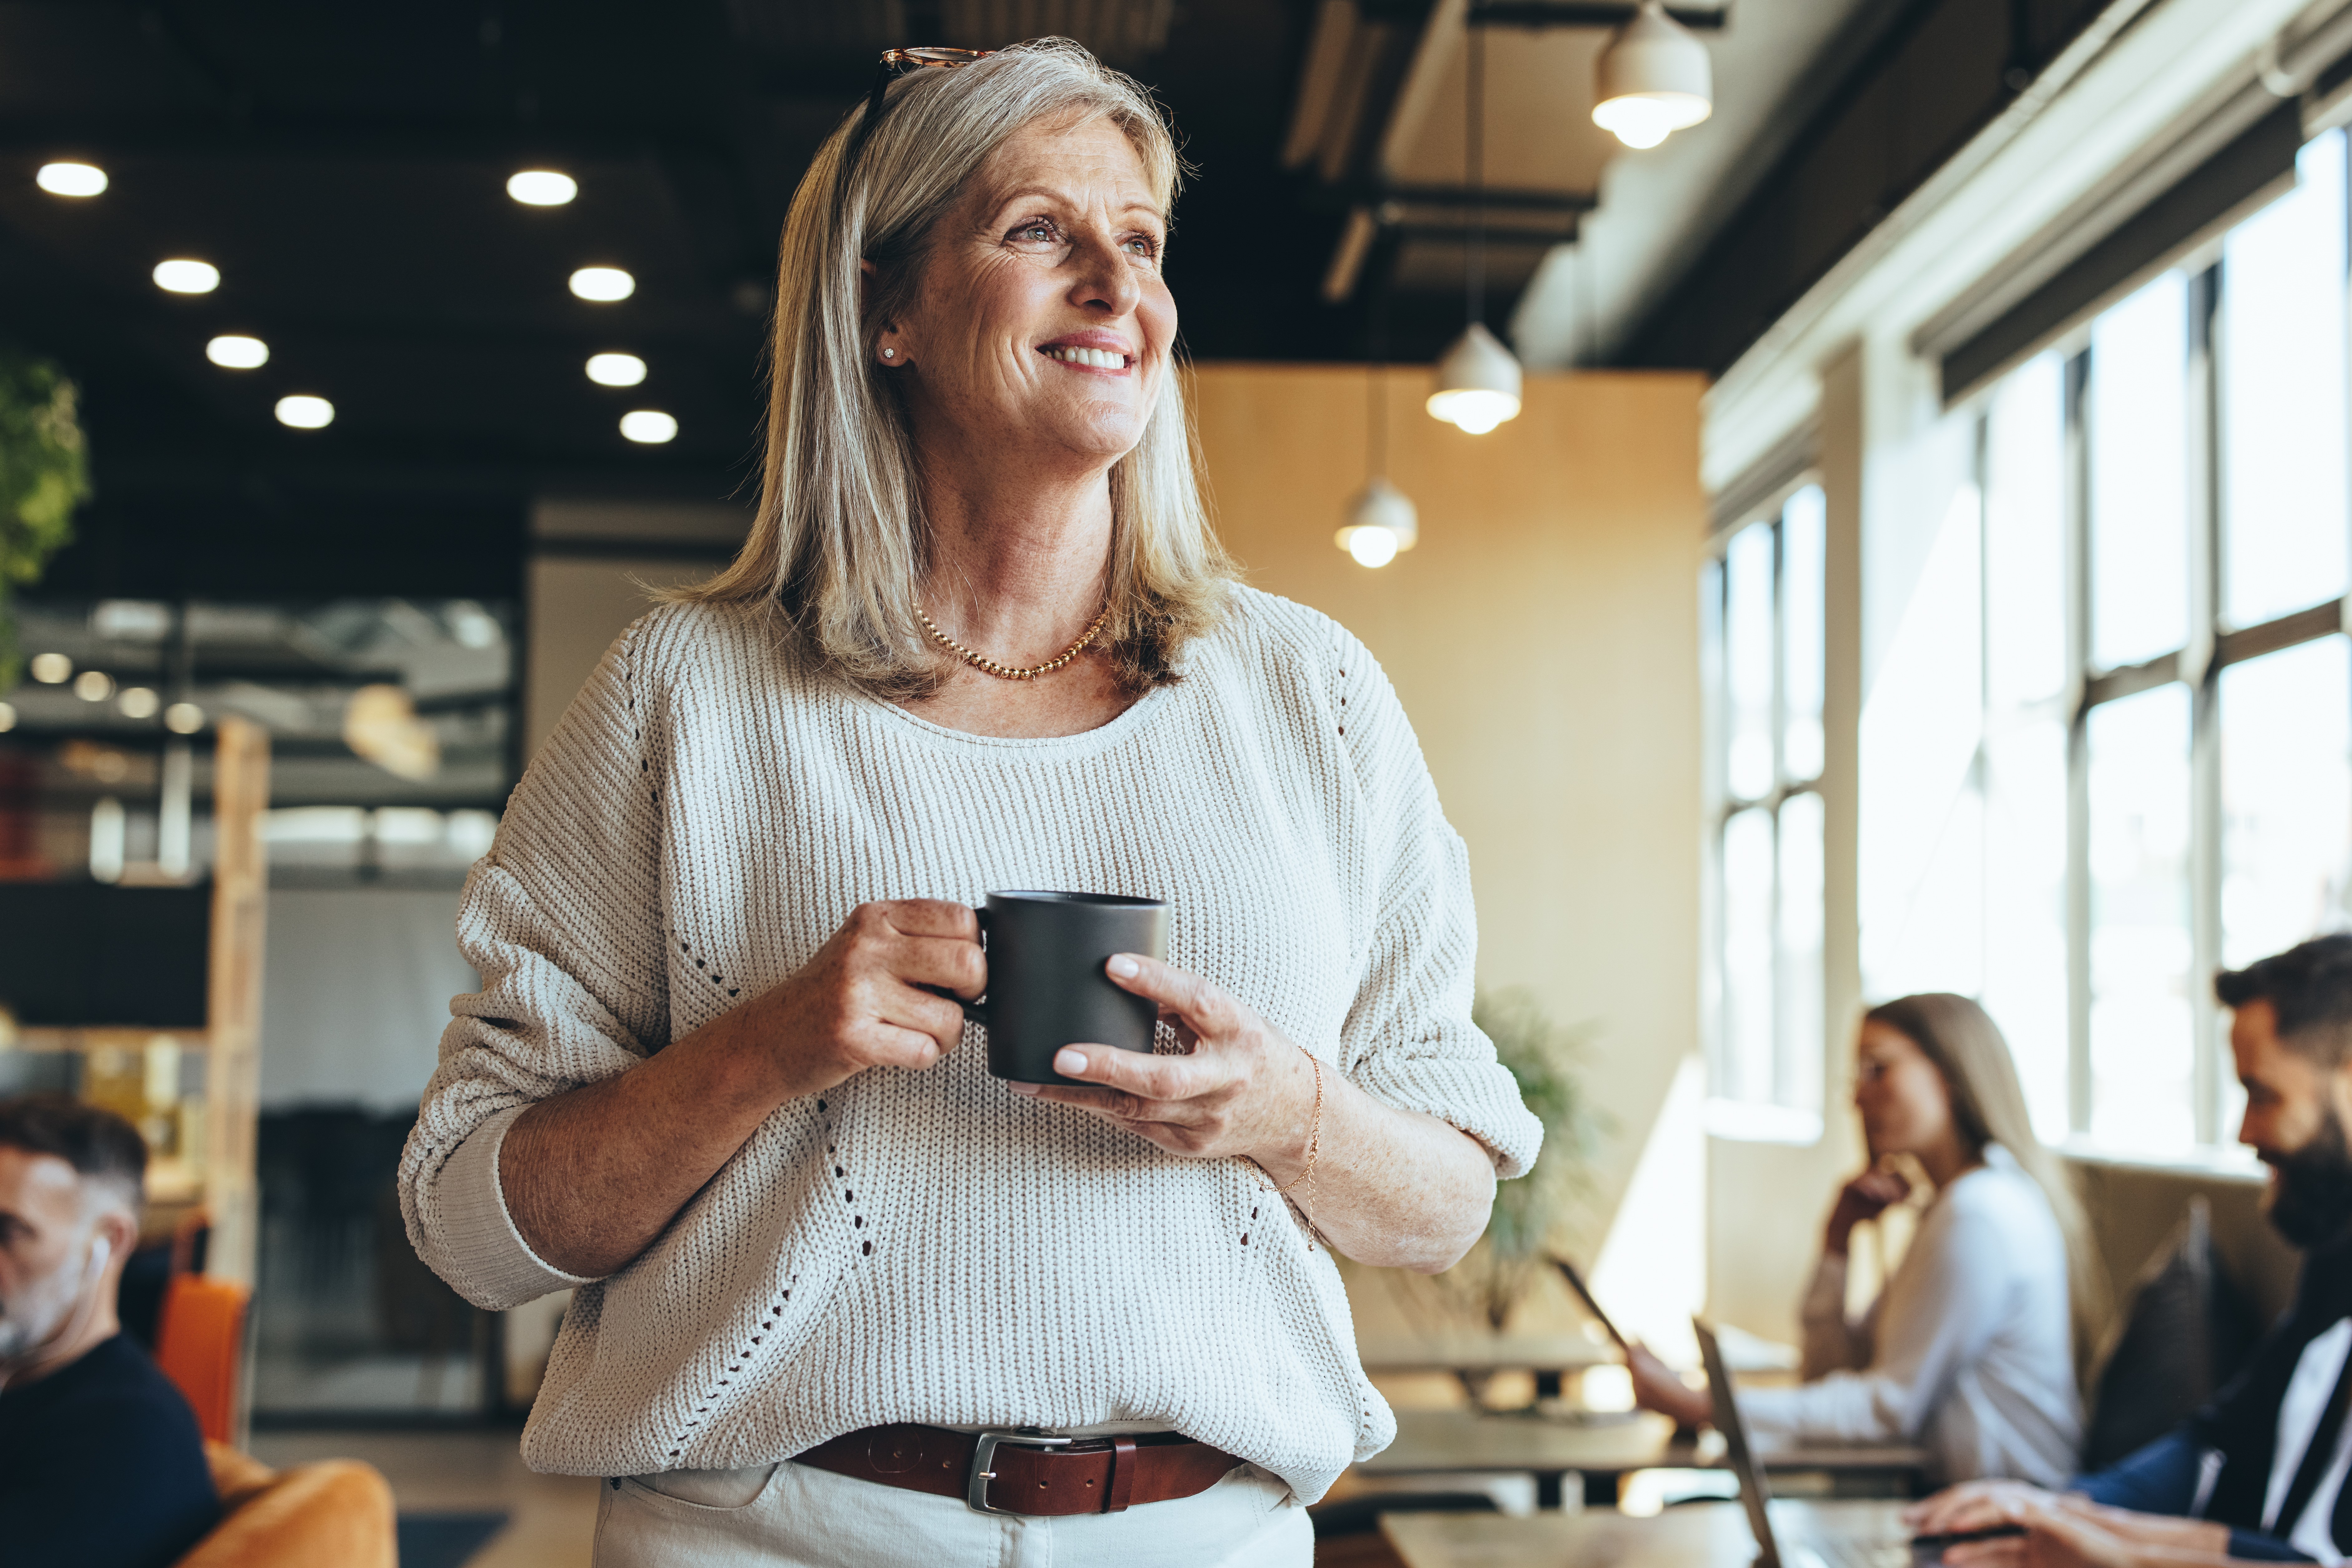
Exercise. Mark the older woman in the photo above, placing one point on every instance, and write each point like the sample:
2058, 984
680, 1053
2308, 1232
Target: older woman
716, 1077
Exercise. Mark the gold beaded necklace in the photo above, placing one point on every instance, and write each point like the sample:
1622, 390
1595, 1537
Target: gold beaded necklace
987, 666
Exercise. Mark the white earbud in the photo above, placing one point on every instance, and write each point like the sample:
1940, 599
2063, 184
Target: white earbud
101, 1251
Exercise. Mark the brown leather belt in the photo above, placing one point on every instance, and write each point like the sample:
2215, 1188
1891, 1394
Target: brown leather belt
1024, 1471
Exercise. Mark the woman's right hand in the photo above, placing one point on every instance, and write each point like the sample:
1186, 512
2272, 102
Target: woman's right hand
872, 995
1866, 1196
592, 1175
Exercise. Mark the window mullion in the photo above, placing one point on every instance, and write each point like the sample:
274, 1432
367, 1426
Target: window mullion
2207, 336
2077, 524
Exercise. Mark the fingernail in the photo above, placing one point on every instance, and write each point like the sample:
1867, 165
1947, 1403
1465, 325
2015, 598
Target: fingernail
1125, 968
1071, 1063
1027, 1088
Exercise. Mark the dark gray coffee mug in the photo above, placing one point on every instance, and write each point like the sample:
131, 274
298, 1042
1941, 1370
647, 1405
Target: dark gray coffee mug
1046, 988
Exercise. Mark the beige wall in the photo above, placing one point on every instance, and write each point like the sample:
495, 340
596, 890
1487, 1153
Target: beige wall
1544, 639
593, 565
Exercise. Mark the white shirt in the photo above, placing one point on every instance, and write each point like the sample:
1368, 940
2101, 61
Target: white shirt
929, 1247
1968, 1352
2306, 1401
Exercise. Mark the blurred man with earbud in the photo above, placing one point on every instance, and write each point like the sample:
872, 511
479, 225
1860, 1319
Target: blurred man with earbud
100, 1464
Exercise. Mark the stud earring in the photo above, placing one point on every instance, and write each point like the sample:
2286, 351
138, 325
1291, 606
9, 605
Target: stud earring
890, 353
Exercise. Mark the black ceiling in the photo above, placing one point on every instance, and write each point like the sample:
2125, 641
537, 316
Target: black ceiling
344, 167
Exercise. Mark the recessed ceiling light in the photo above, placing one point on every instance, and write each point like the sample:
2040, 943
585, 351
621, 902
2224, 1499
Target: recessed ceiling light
52, 669
184, 277
305, 413
615, 370
603, 284
138, 702
233, 351
71, 179
542, 187
7, 716
184, 718
649, 426
93, 686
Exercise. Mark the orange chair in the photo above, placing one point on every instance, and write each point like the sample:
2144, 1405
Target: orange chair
337, 1513
199, 1344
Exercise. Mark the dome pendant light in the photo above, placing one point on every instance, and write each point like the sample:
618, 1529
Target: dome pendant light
1477, 378
1654, 79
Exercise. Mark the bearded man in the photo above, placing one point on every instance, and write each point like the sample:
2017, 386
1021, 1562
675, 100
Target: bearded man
100, 1462
2258, 1474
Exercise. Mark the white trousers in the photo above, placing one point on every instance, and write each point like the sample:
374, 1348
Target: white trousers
797, 1516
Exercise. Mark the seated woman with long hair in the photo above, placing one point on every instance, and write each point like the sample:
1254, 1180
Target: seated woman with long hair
1970, 1351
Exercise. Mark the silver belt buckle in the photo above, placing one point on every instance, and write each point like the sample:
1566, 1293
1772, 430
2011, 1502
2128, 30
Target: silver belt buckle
984, 1455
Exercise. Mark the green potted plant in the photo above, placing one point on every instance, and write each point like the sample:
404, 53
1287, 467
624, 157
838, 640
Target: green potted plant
44, 476
1490, 1284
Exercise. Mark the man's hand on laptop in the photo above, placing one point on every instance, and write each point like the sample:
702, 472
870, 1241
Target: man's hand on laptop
1657, 1386
1971, 1505
2056, 1536
2057, 1531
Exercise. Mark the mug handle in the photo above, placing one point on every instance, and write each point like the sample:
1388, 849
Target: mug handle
977, 1012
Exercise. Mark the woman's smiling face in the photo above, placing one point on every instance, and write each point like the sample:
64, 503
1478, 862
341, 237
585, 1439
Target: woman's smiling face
1042, 320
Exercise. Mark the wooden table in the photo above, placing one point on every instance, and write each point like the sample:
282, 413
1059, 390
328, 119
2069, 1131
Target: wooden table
1437, 1442
1434, 1442
1486, 1353
1697, 1535
1546, 1355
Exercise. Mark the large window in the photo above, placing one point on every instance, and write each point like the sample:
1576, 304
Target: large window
2144, 773
1762, 617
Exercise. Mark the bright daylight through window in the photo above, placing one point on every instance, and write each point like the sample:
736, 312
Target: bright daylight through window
1760, 613
2107, 718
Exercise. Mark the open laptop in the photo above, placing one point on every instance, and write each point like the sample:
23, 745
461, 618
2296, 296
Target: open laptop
1869, 1537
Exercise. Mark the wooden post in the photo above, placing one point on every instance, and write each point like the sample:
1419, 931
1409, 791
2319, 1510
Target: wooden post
232, 1023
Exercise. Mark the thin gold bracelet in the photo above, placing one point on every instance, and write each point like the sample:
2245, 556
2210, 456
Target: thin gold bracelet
1306, 1178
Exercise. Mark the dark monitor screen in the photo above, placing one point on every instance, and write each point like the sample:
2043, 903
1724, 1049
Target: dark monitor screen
83, 954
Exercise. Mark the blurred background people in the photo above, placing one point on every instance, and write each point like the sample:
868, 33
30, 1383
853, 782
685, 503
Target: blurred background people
1971, 1351
2261, 1469
100, 1464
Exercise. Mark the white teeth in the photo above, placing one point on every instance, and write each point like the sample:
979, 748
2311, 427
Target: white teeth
1099, 359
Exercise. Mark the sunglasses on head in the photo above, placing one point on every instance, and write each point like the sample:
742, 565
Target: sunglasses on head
895, 64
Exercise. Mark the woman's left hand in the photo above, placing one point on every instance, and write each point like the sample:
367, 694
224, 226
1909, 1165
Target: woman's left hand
1245, 1089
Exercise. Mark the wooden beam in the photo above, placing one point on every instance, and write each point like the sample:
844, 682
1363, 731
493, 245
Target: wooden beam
232, 1025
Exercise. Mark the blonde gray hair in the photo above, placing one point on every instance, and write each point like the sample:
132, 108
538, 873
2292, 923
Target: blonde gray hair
839, 547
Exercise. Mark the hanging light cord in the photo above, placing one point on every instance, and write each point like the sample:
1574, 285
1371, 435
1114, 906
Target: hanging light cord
1474, 158
1376, 404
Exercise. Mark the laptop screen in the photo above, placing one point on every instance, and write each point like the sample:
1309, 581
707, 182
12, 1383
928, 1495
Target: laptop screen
1753, 1493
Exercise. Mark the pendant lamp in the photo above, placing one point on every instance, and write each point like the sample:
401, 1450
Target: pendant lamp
1381, 518
1477, 378
1654, 78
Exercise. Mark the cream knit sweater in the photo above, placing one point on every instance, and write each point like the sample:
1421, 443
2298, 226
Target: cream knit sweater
928, 1246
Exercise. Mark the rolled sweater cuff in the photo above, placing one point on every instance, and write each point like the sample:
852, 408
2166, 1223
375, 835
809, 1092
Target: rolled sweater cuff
478, 1234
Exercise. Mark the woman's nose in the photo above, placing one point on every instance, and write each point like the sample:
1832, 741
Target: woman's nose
1104, 281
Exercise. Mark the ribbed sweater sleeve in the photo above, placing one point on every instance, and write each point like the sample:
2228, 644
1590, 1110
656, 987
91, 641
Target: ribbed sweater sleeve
563, 922
1409, 1041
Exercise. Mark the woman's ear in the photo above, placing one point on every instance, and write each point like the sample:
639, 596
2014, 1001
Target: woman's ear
889, 342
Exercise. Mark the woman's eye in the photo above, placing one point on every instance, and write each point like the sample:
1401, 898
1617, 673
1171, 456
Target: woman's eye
1143, 245
1036, 232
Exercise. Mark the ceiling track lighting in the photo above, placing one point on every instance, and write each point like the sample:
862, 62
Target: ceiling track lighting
1478, 379
1654, 78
